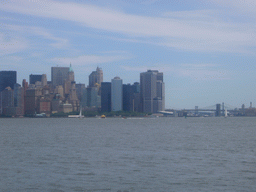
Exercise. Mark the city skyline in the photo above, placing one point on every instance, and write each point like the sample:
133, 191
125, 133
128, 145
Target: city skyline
206, 50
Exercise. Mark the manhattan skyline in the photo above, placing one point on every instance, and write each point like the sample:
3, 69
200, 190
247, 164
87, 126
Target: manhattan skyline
206, 49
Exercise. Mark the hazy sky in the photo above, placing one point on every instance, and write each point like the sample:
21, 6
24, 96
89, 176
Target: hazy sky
205, 48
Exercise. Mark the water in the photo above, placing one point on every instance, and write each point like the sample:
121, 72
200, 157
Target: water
160, 154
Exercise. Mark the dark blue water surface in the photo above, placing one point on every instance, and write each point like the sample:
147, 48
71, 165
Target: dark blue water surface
137, 154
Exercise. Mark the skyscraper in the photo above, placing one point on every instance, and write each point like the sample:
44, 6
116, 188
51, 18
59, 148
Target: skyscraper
34, 78
131, 97
79, 90
38, 80
44, 80
18, 99
96, 77
70, 89
7, 79
6, 99
106, 96
92, 99
69, 81
59, 75
92, 94
152, 94
117, 94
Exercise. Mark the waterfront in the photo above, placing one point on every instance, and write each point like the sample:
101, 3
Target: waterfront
138, 154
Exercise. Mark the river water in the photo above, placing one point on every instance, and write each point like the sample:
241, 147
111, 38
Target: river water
126, 155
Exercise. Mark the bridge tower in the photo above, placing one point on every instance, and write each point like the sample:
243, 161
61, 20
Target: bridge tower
196, 110
218, 111
223, 109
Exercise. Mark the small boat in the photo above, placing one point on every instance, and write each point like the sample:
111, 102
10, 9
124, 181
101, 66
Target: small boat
226, 113
102, 116
40, 115
77, 116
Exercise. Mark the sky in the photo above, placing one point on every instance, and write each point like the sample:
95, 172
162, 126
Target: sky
206, 49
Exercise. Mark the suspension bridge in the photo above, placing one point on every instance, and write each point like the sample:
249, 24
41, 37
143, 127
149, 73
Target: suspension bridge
217, 109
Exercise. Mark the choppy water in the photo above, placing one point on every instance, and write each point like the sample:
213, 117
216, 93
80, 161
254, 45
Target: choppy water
161, 154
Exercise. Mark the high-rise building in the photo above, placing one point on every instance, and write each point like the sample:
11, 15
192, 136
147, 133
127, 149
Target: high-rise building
12, 101
152, 94
91, 97
131, 97
44, 106
32, 101
160, 94
92, 94
70, 89
59, 90
96, 77
37, 80
105, 96
7, 79
34, 78
117, 94
63, 80
72, 98
69, 81
59, 75
19, 99
44, 80
80, 90
6, 99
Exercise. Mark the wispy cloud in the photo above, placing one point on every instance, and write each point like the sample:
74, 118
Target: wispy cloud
204, 72
246, 6
200, 33
86, 60
191, 71
56, 42
10, 45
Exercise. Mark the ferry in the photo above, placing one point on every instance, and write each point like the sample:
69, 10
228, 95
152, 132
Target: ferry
77, 116
41, 115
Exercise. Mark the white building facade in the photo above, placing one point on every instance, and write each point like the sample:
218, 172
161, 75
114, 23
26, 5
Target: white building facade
117, 94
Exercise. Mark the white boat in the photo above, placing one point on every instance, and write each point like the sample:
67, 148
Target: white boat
77, 116
41, 115
226, 113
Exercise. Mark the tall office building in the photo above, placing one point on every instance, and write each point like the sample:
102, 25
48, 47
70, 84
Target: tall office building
131, 97
34, 78
6, 99
70, 89
59, 75
32, 101
96, 77
44, 80
92, 94
25, 86
80, 90
7, 79
105, 96
152, 93
38, 80
72, 97
18, 94
69, 81
117, 94
91, 97
12, 101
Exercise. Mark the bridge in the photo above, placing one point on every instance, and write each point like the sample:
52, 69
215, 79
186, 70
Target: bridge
218, 109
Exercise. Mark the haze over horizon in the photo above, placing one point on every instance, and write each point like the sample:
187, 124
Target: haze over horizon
205, 48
